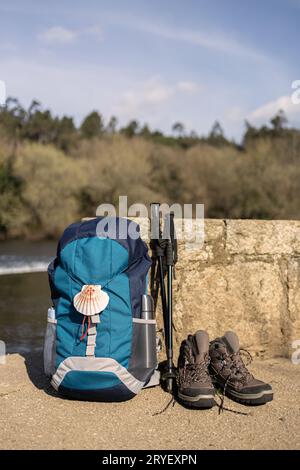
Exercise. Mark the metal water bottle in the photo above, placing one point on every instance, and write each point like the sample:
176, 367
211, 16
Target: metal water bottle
147, 338
50, 343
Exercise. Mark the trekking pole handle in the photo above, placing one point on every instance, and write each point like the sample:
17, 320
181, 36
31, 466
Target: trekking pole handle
171, 239
155, 221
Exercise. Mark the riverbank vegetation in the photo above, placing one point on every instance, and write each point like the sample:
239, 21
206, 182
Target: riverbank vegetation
52, 172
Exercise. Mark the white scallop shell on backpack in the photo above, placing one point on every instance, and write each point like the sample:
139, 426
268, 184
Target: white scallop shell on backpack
91, 300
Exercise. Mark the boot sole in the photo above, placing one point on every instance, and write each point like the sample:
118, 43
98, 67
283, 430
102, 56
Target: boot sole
252, 399
249, 399
199, 401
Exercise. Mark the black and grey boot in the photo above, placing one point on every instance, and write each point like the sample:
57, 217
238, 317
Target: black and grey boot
231, 375
195, 388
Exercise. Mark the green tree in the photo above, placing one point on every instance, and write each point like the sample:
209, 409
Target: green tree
92, 125
131, 129
66, 136
40, 126
12, 118
178, 128
279, 122
216, 131
33, 108
145, 131
112, 125
10, 202
216, 136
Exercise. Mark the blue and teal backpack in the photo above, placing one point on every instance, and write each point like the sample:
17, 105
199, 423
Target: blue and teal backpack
91, 354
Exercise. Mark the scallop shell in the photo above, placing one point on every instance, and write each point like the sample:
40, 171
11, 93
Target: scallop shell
91, 300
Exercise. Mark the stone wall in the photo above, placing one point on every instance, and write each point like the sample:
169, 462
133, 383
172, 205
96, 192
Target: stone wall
246, 278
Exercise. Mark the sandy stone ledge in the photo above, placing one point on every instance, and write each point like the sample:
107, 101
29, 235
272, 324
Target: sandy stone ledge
34, 417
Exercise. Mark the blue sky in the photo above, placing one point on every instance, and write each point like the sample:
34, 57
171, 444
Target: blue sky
161, 61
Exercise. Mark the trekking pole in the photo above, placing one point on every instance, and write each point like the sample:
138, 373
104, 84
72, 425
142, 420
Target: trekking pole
158, 253
171, 258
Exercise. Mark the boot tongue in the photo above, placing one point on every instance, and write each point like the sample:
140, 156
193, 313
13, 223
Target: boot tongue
201, 345
232, 341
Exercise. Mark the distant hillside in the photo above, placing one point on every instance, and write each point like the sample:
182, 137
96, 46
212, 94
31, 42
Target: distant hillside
52, 173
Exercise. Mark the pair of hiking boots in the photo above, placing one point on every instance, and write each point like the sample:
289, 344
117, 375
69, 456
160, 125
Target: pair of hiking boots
204, 366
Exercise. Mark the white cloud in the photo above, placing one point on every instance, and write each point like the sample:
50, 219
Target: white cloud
268, 110
148, 94
156, 92
58, 35
152, 93
188, 87
62, 35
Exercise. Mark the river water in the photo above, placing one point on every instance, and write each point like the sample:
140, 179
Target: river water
24, 293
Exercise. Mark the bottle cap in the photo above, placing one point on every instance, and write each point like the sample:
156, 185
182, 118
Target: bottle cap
51, 313
147, 312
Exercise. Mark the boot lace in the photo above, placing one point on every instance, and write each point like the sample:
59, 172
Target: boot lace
194, 372
238, 371
239, 368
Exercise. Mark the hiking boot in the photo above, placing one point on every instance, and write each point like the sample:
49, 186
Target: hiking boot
231, 375
195, 388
